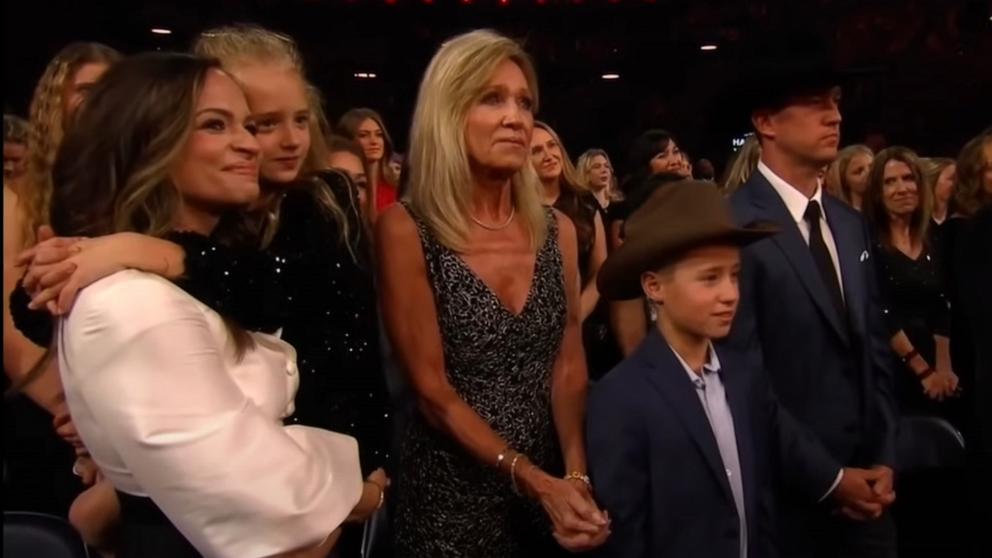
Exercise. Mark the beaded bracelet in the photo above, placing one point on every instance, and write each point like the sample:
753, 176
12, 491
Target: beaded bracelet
579, 476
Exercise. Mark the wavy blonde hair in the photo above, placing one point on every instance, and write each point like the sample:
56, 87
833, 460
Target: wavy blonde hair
569, 174
744, 165
835, 182
250, 45
440, 186
971, 195
48, 126
583, 166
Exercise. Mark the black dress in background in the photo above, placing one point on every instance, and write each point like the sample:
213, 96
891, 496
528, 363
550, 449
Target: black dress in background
602, 353
914, 301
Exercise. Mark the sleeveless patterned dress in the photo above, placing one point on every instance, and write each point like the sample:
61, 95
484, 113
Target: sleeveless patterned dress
448, 503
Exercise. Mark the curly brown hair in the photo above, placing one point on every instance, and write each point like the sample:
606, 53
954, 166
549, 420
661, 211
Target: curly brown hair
48, 125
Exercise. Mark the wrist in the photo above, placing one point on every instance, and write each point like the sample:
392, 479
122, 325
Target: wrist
532, 480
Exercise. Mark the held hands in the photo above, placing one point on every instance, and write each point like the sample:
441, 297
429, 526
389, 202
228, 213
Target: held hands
578, 523
59, 267
863, 494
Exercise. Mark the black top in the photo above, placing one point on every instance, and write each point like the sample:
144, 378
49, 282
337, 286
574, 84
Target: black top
581, 208
331, 318
913, 296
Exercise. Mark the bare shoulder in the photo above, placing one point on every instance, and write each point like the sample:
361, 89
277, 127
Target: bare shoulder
396, 226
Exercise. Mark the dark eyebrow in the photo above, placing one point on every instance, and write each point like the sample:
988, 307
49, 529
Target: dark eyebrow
222, 112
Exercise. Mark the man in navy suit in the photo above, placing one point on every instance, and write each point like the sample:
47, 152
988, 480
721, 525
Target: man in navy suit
809, 315
684, 440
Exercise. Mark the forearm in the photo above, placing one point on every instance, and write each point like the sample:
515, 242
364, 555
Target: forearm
569, 387
943, 352
629, 324
589, 299
453, 416
154, 255
902, 347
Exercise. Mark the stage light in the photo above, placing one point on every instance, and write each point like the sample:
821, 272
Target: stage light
161, 31
611, 77
708, 47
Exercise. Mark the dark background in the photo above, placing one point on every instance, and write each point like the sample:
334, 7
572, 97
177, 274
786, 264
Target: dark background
922, 69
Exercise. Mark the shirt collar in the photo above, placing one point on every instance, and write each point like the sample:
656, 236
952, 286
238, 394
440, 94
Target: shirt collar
711, 366
794, 200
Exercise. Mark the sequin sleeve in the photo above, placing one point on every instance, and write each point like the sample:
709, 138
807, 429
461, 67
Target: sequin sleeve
242, 284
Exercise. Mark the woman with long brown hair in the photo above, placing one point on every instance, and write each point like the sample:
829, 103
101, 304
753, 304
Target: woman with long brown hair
164, 149
365, 127
898, 205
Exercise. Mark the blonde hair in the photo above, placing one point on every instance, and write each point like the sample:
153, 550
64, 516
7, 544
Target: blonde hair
243, 45
584, 166
569, 175
835, 181
440, 175
971, 195
48, 126
744, 165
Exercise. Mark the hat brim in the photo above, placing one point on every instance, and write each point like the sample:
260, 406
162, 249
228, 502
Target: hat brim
620, 276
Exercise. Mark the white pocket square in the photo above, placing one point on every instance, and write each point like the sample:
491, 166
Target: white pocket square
864, 256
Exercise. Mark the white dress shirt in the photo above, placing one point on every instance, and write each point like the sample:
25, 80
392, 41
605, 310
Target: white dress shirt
168, 412
713, 397
796, 202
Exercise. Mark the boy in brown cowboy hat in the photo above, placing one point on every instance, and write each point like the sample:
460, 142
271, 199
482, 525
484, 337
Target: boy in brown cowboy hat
683, 440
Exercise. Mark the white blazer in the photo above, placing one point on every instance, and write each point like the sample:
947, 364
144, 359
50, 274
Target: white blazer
168, 412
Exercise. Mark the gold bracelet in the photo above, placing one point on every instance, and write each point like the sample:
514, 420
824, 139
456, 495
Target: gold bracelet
575, 475
382, 494
513, 473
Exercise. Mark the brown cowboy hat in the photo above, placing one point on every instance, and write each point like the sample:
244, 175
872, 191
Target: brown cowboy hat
677, 217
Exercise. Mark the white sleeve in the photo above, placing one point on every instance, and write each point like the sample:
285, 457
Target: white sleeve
235, 482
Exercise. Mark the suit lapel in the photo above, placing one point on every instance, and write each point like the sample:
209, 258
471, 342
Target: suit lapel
790, 241
740, 399
850, 246
670, 378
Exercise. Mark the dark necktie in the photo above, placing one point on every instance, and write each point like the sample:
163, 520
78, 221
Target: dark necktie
824, 263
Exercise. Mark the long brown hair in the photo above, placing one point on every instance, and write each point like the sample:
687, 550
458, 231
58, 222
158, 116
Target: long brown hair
48, 126
112, 170
348, 127
874, 206
971, 194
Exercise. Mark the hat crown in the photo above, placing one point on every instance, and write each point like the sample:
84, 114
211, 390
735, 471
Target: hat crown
679, 210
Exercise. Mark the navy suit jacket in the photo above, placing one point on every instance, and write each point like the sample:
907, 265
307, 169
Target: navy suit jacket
656, 467
831, 371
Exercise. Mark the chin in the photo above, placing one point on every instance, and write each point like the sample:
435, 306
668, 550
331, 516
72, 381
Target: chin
281, 176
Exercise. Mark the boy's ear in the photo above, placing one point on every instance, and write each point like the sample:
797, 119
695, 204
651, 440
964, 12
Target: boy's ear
653, 286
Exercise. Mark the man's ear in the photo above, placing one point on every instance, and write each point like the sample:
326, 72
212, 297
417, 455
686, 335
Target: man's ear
763, 122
